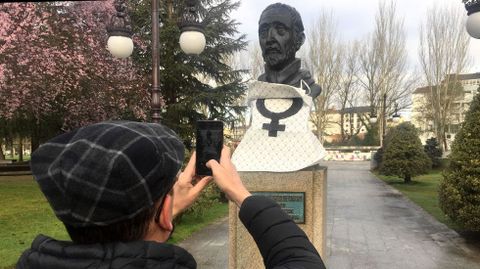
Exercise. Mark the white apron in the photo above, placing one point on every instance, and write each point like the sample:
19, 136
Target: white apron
279, 139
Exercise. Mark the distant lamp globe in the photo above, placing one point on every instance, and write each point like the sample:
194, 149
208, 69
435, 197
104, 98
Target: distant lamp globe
120, 46
396, 118
473, 21
373, 119
192, 42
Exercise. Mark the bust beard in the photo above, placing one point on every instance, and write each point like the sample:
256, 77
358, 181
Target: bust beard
277, 61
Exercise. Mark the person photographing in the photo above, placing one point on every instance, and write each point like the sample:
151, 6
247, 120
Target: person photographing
116, 186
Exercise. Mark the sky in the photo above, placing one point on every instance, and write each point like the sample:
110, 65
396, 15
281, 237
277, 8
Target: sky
355, 19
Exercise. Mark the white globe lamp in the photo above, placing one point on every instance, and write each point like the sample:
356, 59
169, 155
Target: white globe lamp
473, 21
120, 46
119, 30
192, 42
192, 38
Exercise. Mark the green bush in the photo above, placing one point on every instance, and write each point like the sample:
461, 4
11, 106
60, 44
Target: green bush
403, 155
434, 152
378, 157
459, 192
209, 197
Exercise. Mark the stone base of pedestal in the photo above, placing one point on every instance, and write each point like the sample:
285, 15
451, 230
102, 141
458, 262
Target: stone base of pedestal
243, 252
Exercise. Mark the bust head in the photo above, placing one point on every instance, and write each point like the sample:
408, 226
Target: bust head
281, 34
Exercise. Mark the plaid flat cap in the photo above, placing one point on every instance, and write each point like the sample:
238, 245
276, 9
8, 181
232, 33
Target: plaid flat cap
107, 172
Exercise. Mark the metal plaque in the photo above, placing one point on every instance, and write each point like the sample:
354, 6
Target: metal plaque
292, 203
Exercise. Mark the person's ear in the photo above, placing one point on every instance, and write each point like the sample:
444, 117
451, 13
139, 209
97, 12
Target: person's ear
166, 218
300, 40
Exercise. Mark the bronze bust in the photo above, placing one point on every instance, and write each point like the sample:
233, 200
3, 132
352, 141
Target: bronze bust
281, 34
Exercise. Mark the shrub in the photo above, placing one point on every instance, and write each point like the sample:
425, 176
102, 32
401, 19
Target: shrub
210, 195
459, 192
377, 157
434, 152
403, 154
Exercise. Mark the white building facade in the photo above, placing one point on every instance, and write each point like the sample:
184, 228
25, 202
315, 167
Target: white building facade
456, 116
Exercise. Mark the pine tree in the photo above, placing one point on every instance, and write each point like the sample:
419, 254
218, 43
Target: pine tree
434, 151
404, 155
187, 97
459, 191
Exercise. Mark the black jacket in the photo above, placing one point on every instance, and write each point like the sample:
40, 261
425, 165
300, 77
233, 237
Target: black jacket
281, 243
47, 253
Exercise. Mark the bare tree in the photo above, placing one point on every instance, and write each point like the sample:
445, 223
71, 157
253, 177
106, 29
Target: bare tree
348, 90
383, 63
324, 57
443, 55
251, 59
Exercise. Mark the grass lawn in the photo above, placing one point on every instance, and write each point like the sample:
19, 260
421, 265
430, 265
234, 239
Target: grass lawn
191, 224
25, 213
424, 192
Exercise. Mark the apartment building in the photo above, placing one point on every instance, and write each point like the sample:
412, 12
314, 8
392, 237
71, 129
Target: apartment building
460, 106
354, 121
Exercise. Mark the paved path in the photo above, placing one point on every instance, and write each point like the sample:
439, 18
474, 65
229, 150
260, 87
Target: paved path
210, 246
369, 225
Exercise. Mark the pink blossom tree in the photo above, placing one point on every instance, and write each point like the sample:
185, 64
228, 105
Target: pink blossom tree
55, 71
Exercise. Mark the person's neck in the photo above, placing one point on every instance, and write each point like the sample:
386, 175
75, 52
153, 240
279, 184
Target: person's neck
282, 75
158, 235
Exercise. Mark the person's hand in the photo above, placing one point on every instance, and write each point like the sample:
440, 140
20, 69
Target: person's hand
227, 178
184, 192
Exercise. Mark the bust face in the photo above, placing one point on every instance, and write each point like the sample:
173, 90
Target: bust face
277, 38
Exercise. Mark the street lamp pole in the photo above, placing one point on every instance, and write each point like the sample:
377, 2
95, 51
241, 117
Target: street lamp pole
120, 44
384, 119
156, 104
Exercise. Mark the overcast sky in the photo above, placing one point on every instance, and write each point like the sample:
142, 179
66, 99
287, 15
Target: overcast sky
355, 18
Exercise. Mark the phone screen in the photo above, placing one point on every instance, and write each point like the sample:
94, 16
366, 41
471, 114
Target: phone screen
209, 141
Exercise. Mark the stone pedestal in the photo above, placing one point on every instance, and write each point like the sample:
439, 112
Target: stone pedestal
243, 252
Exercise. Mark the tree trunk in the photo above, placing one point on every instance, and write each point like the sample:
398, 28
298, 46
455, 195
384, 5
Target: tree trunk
12, 151
20, 151
408, 179
444, 140
351, 125
2, 155
170, 10
35, 139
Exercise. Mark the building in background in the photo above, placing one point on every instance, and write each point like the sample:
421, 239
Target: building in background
354, 121
460, 106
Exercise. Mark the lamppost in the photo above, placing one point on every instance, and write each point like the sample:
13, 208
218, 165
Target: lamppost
383, 115
473, 21
120, 44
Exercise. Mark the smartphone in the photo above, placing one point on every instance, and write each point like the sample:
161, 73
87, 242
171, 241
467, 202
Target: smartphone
209, 144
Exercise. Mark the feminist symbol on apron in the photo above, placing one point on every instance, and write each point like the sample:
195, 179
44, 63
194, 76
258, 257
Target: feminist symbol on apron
274, 126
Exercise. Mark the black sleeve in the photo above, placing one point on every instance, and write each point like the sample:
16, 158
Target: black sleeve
280, 241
